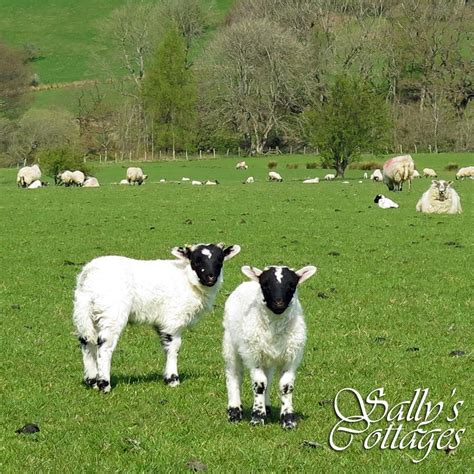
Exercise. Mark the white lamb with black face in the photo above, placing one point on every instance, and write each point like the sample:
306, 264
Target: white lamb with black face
168, 294
264, 330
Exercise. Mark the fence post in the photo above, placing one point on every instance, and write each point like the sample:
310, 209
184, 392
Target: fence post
429, 148
186, 153
304, 150
416, 148
130, 155
214, 152
227, 152
200, 153
238, 151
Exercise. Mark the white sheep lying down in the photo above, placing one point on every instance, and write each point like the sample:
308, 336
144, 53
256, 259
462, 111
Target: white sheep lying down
440, 198
27, 175
168, 294
91, 182
264, 331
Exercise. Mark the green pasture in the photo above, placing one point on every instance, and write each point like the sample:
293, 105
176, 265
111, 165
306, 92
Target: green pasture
391, 301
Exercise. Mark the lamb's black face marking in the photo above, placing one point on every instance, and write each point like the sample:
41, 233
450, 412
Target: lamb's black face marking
377, 198
207, 261
278, 286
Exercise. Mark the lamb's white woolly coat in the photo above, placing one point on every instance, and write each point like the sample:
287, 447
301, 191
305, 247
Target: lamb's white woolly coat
262, 338
27, 175
114, 290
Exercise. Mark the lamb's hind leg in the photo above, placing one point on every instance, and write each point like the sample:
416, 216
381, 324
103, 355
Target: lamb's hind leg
89, 357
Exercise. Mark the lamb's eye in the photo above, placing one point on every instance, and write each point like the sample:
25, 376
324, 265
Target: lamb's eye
202, 270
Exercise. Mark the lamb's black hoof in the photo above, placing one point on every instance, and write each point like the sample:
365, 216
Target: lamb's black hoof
104, 385
288, 421
92, 383
258, 418
234, 414
172, 380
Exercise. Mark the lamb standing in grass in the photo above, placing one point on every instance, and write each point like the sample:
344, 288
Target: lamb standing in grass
136, 176
168, 294
330, 177
27, 175
264, 330
440, 198
376, 175
429, 173
274, 176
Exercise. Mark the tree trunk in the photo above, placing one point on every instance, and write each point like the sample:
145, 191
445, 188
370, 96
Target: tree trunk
340, 169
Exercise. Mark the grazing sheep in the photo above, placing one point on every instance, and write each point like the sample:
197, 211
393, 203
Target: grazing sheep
78, 178
397, 171
384, 202
330, 177
241, 165
35, 184
211, 183
440, 198
162, 180
168, 294
136, 176
27, 175
429, 173
366, 176
466, 172
196, 183
416, 174
91, 182
124, 182
311, 181
65, 177
249, 180
274, 176
376, 175
264, 331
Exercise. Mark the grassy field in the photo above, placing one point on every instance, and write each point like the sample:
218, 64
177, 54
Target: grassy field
391, 300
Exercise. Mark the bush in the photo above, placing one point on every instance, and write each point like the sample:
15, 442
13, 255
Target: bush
272, 165
451, 167
313, 165
292, 166
365, 165
55, 160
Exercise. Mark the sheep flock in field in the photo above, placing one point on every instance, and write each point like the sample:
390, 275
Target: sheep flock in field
440, 198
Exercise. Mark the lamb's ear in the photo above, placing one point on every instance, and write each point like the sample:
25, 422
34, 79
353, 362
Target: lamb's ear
181, 252
305, 273
448, 183
231, 251
251, 272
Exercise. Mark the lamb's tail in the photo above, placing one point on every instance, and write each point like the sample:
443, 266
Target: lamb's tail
82, 314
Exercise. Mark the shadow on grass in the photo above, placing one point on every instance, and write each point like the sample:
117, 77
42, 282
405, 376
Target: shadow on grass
152, 377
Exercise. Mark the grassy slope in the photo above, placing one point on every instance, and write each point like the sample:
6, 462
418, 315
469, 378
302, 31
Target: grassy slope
395, 277
67, 34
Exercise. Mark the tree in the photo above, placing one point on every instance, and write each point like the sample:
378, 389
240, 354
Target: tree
352, 120
169, 94
15, 78
256, 81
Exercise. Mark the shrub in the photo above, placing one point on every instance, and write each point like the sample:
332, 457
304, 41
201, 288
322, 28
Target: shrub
55, 160
292, 166
451, 167
272, 165
312, 165
365, 165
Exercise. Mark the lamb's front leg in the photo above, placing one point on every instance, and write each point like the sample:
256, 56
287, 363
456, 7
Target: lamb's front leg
286, 385
171, 344
259, 385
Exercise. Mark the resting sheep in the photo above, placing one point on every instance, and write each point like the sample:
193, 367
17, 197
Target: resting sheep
249, 180
274, 176
440, 198
467, 172
241, 165
91, 182
27, 175
429, 173
196, 183
264, 331
397, 171
376, 175
136, 176
168, 294
311, 181
211, 183
35, 184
